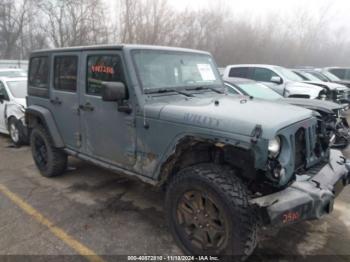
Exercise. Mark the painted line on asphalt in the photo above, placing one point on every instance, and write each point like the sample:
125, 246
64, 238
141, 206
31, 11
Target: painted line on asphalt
58, 232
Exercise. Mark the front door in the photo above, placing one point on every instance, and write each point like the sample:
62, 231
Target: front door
108, 135
64, 97
265, 75
3, 102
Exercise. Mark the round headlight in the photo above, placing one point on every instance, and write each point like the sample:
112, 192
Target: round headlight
274, 147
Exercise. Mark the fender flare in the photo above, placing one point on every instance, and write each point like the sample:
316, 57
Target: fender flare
33, 113
178, 140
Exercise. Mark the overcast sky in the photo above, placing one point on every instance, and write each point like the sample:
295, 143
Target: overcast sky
262, 9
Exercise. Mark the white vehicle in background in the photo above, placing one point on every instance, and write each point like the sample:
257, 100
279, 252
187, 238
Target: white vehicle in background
13, 92
12, 72
23, 64
280, 79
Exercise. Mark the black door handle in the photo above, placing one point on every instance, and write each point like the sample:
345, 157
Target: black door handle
87, 107
55, 101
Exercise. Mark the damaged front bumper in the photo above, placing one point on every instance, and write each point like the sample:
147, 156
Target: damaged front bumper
309, 197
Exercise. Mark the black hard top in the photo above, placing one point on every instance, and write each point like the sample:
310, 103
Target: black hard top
117, 47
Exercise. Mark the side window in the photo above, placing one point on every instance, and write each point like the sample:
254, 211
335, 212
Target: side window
103, 68
240, 72
338, 72
39, 72
65, 73
263, 74
3, 91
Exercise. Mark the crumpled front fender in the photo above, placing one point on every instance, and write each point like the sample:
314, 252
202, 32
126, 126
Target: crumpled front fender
14, 110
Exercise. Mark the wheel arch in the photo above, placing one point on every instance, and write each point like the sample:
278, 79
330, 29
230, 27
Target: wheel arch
190, 150
37, 115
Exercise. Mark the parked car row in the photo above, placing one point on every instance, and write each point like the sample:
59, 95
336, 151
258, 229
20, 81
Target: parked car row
290, 83
231, 156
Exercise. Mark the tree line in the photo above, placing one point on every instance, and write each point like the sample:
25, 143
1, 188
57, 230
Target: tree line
300, 39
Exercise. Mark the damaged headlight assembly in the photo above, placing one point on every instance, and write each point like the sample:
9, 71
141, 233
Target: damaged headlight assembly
274, 147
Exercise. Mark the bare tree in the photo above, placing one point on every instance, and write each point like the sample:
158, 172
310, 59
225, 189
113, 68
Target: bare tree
145, 21
13, 17
302, 38
75, 22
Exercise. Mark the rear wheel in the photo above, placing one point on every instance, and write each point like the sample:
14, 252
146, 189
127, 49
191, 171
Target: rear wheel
209, 214
49, 160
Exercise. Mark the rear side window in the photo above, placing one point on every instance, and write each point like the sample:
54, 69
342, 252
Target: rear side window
240, 72
103, 68
65, 73
263, 74
341, 73
39, 72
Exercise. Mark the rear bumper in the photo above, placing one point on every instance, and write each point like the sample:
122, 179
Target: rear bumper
309, 197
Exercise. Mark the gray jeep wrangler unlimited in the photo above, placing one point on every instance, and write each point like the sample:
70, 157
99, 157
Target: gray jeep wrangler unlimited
228, 164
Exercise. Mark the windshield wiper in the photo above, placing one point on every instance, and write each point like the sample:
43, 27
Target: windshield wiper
167, 90
198, 88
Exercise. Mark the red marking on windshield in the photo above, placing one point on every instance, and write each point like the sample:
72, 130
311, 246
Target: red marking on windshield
102, 69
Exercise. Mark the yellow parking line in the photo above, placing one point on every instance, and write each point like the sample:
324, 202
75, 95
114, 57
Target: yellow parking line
58, 232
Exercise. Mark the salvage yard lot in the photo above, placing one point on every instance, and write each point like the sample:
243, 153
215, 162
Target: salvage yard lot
111, 215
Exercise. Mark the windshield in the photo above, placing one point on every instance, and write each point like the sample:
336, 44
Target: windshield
18, 88
319, 76
259, 91
331, 76
169, 69
289, 74
309, 76
14, 73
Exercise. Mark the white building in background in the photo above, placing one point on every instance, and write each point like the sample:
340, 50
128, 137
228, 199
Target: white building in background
14, 64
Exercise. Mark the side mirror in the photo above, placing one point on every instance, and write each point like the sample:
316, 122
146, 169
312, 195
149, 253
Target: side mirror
116, 92
277, 80
113, 91
2, 97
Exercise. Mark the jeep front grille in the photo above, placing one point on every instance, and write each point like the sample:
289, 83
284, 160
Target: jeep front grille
300, 149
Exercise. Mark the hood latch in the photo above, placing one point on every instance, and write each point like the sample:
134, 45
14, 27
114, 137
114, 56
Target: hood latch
256, 134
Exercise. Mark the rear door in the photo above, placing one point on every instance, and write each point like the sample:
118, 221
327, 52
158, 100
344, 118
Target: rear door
265, 75
64, 97
108, 135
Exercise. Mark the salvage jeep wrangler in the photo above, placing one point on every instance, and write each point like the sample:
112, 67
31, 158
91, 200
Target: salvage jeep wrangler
228, 164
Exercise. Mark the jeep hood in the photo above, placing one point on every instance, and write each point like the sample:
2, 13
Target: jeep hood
233, 114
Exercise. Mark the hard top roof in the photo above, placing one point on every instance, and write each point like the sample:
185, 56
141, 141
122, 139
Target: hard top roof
117, 47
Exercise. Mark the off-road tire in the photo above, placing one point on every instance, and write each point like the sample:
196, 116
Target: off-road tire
15, 125
222, 185
49, 160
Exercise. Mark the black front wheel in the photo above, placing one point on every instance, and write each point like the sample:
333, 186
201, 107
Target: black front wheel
49, 160
209, 214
